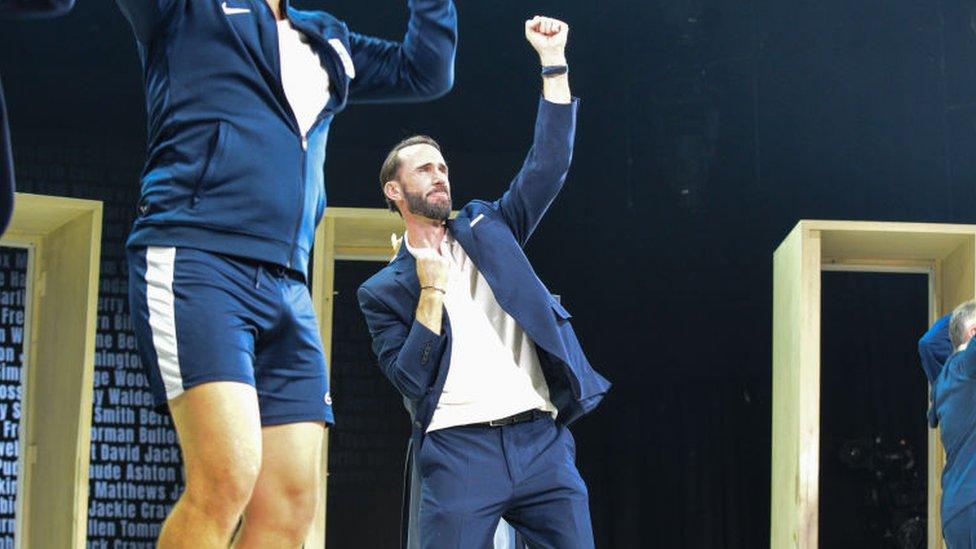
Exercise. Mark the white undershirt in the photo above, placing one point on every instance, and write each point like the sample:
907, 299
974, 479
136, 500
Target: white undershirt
305, 81
494, 370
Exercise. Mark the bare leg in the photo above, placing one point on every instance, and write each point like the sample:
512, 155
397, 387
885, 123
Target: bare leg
283, 505
220, 436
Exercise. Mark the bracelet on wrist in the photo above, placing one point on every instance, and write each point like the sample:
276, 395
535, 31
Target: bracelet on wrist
554, 70
441, 290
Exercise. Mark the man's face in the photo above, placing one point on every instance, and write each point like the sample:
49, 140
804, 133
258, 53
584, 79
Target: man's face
423, 182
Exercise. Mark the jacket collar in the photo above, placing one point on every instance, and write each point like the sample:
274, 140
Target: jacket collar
319, 23
405, 271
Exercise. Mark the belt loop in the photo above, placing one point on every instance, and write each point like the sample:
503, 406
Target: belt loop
257, 277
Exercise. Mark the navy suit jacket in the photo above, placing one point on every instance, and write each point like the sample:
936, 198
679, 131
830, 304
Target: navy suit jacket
20, 9
416, 360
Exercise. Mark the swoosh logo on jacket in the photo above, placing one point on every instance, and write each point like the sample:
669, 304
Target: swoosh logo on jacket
233, 11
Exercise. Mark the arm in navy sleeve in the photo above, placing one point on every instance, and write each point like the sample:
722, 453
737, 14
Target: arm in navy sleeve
420, 67
935, 347
409, 354
544, 170
35, 8
147, 16
965, 363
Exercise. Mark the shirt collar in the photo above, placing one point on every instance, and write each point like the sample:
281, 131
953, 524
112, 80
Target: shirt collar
445, 247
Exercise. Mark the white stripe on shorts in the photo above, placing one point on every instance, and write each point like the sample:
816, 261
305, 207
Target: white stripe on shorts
160, 263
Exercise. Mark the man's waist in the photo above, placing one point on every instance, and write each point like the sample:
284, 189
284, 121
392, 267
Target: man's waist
278, 257
521, 417
487, 414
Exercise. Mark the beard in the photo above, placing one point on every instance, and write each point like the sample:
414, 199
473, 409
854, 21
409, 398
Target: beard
439, 210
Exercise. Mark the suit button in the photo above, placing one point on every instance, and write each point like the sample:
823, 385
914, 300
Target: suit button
430, 390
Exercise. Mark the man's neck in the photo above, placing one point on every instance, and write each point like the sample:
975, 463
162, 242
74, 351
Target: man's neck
276, 8
424, 232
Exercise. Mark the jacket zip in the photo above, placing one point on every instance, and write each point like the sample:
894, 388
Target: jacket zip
304, 184
327, 111
301, 204
294, 123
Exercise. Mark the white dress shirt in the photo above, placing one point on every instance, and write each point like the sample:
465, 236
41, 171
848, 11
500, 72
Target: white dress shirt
494, 370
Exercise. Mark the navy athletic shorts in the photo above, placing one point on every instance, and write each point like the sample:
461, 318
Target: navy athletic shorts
201, 317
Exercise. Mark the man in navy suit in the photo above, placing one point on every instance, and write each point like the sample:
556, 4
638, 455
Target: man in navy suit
19, 9
483, 353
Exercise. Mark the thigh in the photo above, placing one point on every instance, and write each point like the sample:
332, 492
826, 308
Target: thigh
195, 316
290, 371
220, 433
552, 505
464, 487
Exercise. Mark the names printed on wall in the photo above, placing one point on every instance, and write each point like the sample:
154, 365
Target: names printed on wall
135, 474
13, 292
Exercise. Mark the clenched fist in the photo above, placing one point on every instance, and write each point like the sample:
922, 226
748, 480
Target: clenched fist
548, 36
432, 268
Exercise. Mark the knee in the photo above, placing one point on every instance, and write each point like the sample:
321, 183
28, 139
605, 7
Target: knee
223, 492
290, 512
299, 503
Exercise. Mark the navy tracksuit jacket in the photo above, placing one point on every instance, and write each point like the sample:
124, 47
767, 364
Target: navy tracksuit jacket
228, 169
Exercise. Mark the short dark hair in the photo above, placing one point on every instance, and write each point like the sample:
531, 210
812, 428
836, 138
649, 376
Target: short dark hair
392, 163
959, 324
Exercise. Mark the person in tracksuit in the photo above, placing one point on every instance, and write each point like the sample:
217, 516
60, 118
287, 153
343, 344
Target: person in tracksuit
20, 9
240, 96
949, 360
486, 358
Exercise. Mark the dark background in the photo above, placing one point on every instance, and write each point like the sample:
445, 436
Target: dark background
708, 128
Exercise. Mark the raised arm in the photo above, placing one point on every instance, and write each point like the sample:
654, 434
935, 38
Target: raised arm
147, 16
35, 8
419, 68
935, 347
547, 164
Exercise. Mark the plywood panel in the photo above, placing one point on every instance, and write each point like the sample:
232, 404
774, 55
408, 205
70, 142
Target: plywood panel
796, 390
347, 234
65, 236
957, 272
946, 252
935, 453
363, 234
63, 352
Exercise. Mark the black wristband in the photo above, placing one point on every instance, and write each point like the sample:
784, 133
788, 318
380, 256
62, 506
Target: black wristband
554, 70
441, 290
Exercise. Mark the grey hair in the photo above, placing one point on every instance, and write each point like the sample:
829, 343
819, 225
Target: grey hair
962, 317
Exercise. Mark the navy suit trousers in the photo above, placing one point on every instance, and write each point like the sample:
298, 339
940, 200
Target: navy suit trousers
471, 476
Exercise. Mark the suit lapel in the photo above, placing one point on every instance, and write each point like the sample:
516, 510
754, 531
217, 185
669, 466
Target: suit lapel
461, 231
480, 252
405, 272
504, 282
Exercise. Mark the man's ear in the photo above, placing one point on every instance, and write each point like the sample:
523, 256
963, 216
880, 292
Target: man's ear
392, 190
